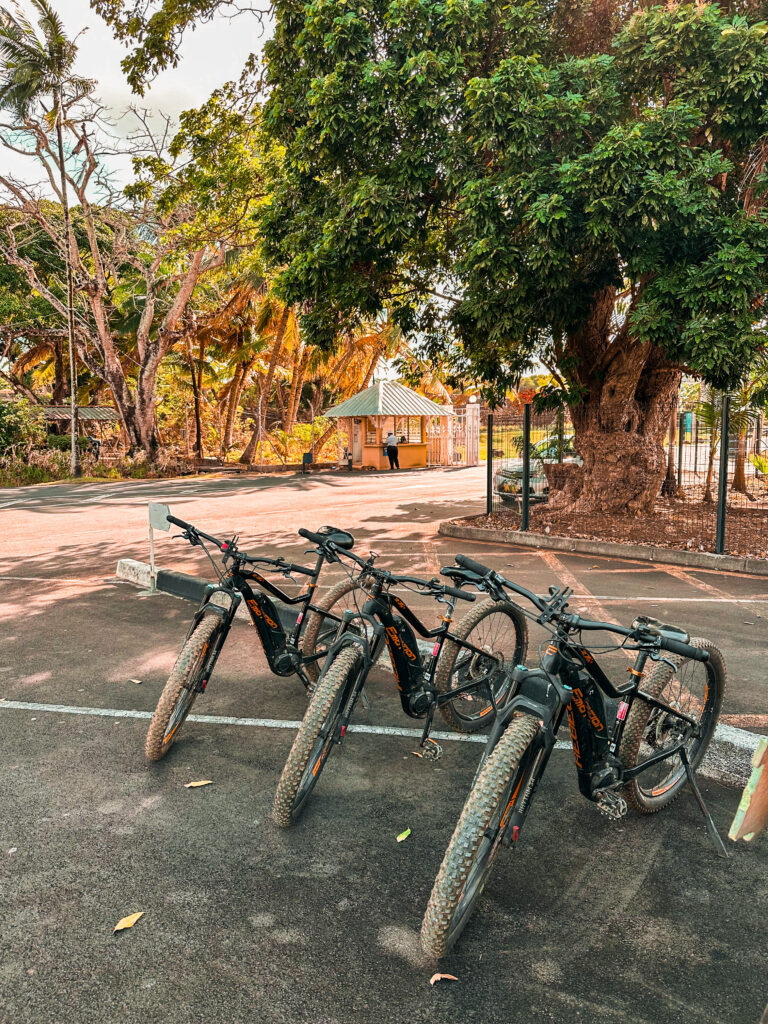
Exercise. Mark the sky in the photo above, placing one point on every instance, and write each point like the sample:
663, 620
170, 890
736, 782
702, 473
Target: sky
212, 54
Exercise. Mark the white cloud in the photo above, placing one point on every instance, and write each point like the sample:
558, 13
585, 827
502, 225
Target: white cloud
211, 55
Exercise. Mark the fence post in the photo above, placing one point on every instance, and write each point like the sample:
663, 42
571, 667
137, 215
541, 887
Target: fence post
680, 422
560, 433
722, 480
489, 466
695, 445
526, 466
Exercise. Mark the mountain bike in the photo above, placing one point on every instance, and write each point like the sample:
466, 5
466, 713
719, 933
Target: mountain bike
635, 744
295, 636
385, 620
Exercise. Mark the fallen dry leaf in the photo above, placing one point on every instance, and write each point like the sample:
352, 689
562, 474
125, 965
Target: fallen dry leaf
196, 785
403, 835
137, 681
127, 922
442, 977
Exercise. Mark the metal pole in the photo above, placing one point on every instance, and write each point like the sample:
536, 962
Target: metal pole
560, 434
680, 422
489, 466
722, 482
152, 573
695, 444
526, 466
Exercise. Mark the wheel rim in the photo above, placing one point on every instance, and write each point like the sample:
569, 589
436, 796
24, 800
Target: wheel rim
186, 699
692, 691
477, 876
497, 637
321, 749
179, 714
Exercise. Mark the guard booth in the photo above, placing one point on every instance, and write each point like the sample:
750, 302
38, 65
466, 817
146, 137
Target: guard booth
368, 417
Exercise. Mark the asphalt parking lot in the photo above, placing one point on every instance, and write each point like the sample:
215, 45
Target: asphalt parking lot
587, 920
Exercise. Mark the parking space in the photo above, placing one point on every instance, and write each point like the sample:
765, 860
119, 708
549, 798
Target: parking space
244, 922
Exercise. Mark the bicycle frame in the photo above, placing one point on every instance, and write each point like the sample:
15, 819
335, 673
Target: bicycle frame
570, 684
281, 647
414, 673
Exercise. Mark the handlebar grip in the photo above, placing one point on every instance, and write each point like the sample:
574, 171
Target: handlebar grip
455, 592
178, 522
301, 569
684, 650
472, 565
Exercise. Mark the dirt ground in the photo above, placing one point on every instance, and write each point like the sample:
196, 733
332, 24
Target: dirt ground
675, 524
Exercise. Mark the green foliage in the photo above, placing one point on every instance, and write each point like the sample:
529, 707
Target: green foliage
441, 146
20, 428
63, 442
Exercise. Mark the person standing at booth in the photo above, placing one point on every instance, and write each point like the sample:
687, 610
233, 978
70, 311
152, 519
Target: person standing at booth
391, 446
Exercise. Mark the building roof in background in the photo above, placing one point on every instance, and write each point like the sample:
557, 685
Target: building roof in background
102, 413
388, 398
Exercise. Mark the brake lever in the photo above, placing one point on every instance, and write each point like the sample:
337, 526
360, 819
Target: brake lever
656, 656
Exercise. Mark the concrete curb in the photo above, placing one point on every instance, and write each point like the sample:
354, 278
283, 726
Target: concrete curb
728, 759
609, 549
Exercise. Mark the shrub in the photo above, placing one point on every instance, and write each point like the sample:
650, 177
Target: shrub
20, 429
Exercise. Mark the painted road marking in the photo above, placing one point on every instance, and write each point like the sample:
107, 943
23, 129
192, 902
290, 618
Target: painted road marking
725, 732
259, 723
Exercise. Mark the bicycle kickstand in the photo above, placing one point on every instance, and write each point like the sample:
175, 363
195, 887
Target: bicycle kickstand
432, 749
714, 835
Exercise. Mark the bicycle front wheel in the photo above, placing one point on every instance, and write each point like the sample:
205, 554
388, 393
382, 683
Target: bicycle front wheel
696, 689
323, 625
477, 838
317, 735
180, 691
498, 631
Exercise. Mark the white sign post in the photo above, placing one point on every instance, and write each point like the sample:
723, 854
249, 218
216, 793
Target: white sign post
158, 520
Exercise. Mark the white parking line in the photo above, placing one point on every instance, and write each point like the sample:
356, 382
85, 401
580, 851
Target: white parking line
259, 723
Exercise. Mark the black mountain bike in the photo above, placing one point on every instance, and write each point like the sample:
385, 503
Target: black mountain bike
634, 744
386, 620
295, 637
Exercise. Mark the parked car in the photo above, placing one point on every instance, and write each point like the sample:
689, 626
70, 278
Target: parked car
508, 478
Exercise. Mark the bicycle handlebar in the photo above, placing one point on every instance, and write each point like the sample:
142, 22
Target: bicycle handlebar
231, 550
644, 633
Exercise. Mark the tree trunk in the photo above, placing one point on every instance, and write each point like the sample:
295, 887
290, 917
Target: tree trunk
60, 386
628, 392
74, 462
708, 495
739, 482
234, 398
258, 429
196, 399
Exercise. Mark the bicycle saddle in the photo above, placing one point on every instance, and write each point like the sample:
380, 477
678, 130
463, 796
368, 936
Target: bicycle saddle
339, 538
656, 627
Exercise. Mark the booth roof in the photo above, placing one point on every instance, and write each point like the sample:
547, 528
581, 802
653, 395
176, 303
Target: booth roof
388, 398
103, 413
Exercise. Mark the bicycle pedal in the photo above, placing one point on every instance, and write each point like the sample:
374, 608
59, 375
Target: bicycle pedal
431, 751
611, 804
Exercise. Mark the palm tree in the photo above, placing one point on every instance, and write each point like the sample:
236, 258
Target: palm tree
38, 72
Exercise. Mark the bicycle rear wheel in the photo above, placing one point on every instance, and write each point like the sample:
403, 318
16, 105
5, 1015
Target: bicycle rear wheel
180, 691
697, 689
499, 630
321, 628
317, 735
477, 838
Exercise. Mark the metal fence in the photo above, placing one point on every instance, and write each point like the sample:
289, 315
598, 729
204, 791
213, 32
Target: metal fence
715, 496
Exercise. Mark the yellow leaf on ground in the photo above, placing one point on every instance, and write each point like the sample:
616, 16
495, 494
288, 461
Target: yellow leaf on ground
442, 977
137, 681
196, 785
127, 922
403, 835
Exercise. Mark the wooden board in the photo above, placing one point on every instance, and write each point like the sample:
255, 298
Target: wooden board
752, 815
